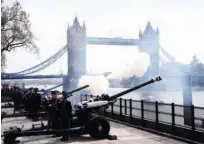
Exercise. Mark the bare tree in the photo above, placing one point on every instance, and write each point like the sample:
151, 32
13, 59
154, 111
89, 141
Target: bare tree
16, 31
3, 61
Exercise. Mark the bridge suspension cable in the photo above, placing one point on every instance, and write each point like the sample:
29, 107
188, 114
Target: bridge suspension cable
168, 56
42, 65
162, 60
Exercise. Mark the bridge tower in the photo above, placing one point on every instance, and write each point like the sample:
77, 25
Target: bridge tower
76, 42
149, 43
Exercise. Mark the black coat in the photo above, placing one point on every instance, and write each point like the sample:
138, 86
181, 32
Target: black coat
37, 101
53, 111
26, 100
65, 110
34, 102
17, 98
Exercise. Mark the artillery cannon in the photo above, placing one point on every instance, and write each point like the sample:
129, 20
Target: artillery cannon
42, 113
83, 120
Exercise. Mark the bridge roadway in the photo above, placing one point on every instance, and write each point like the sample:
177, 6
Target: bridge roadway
125, 134
19, 76
30, 77
113, 41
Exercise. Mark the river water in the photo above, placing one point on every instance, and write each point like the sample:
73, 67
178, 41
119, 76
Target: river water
169, 96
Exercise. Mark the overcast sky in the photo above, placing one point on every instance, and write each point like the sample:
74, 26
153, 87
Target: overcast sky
181, 25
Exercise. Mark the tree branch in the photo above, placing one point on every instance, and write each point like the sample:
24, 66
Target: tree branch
15, 29
7, 41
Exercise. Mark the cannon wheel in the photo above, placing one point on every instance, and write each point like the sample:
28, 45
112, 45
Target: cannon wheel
98, 128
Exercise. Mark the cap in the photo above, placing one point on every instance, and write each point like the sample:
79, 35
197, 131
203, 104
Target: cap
58, 92
53, 92
64, 94
31, 88
35, 89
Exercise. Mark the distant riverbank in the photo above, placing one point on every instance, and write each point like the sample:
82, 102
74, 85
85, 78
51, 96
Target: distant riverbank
198, 88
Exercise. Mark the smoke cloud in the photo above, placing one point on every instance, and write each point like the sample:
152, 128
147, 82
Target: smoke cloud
97, 84
133, 66
136, 65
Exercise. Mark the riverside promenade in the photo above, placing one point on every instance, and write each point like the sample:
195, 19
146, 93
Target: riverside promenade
125, 134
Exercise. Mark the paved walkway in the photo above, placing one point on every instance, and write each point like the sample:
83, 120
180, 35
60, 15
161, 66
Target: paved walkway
125, 134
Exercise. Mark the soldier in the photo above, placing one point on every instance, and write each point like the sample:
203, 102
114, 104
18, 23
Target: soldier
17, 98
53, 111
26, 100
35, 102
27, 96
65, 111
25, 92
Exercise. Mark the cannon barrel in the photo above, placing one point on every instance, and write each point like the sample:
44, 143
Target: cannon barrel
48, 90
64, 84
78, 89
12, 106
21, 115
40, 132
135, 88
10, 136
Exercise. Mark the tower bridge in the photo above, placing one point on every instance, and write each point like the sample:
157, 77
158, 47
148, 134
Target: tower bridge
77, 41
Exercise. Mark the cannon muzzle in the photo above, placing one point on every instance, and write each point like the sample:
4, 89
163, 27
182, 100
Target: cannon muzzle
135, 88
48, 90
78, 89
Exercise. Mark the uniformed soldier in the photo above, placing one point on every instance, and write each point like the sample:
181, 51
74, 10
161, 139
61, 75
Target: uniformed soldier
35, 102
14, 95
17, 98
65, 112
27, 97
26, 100
53, 111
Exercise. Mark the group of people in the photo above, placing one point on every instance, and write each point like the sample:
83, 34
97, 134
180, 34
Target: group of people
60, 114
59, 109
32, 102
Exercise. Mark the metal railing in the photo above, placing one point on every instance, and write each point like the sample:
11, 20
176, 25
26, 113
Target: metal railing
179, 120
